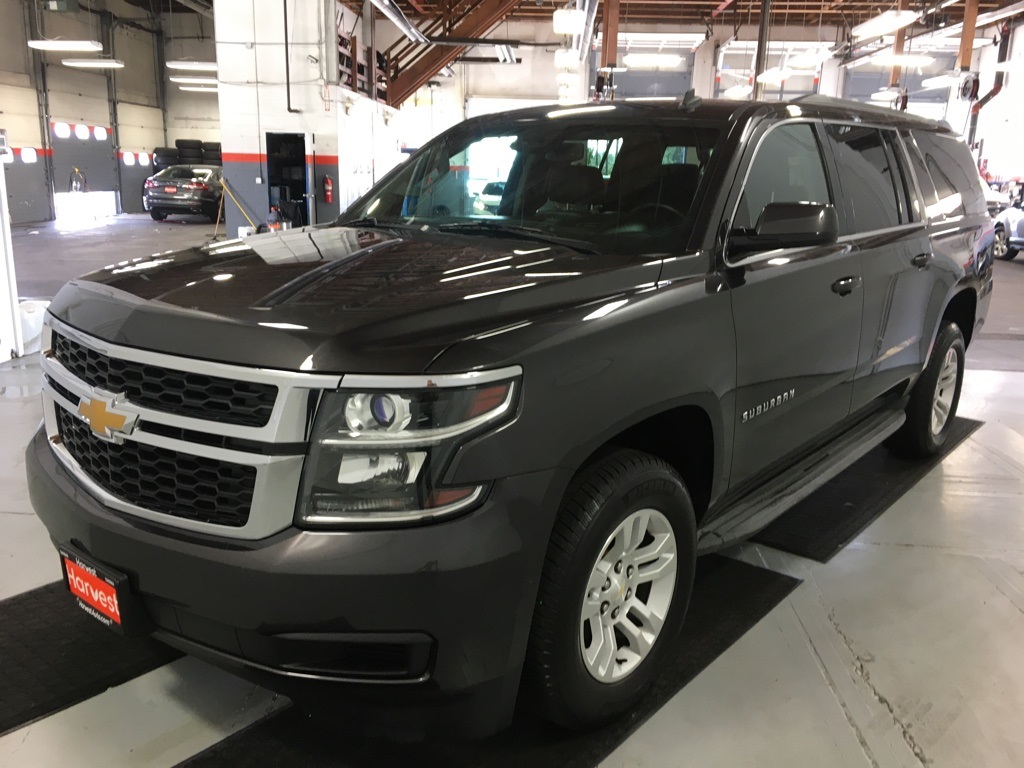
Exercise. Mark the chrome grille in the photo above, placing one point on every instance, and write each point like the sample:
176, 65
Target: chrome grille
198, 395
171, 482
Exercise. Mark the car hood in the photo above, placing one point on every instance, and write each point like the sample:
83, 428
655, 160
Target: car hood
338, 299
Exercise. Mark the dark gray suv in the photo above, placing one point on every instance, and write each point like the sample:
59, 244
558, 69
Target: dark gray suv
425, 461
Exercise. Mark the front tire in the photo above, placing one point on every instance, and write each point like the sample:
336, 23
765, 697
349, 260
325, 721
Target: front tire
615, 588
934, 399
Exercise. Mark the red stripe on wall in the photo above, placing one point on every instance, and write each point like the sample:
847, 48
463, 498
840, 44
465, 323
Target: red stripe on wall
259, 157
39, 152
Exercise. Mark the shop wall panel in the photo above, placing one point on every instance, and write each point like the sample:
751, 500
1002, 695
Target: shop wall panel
77, 96
27, 193
132, 179
19, 114
140, 129
14, 51
137, 81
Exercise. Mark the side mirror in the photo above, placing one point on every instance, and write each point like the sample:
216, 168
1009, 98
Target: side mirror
789, 225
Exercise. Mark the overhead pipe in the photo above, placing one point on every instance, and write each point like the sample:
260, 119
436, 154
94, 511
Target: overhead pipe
761, 62
997, 85
287, 63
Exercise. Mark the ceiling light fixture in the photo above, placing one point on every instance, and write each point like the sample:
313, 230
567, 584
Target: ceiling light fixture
183, 80
67, 46
193, 66
947, 80
199, 88
890, 59
390, 9
809, 59
568, 21
775, 75
740, 91
886, 94
94, 63
884, 24
652, 60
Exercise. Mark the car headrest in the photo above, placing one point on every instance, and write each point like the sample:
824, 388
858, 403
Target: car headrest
576, 184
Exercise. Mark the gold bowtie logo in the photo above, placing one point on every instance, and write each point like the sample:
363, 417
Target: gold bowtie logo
103, 421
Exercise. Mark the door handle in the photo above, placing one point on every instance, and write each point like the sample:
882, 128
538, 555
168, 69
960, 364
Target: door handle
846, 285
922, 260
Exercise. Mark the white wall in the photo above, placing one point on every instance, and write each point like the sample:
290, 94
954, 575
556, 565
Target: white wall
190, 115
999, 122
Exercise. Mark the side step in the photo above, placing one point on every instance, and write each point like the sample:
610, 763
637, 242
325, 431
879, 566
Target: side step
753, 512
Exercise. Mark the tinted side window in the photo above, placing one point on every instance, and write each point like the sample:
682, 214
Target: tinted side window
865, 176
953, 171
787, 169
900, 177
924, 180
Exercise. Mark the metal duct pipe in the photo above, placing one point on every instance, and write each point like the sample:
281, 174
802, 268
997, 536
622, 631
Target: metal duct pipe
997, 86
761, 61
287, 62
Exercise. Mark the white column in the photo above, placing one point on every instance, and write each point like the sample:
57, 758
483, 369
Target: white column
11, 342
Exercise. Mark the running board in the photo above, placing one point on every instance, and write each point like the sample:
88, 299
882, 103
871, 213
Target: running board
752, 513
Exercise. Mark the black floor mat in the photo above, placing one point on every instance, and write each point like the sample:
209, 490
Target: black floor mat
831, 517
53, 655
729, 598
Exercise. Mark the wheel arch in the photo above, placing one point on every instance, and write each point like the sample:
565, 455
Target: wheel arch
962, 308
687, 434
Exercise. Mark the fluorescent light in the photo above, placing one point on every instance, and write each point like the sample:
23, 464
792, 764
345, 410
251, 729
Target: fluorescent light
775, 75
890, 59
581, 110
199, 88
68, 46
607, 309
652, 60
884, 24
740, 91
394, 13
809, 59
947, 80
222, 277
886, 94
94, 63
193, 66
568, 21
185, 80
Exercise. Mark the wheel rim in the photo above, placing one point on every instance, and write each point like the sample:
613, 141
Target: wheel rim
999, 247
945, 388
628, 596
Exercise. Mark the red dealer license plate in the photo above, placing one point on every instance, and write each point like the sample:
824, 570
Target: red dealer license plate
171, 190
99, 591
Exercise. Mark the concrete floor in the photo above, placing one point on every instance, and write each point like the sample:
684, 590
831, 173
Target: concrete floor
903, 650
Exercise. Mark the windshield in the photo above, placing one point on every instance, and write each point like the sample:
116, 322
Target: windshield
185, 172
619, 187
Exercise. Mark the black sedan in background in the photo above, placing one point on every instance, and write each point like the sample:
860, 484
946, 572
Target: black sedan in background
184, 189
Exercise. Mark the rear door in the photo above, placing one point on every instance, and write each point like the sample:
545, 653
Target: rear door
884, 224
797, 333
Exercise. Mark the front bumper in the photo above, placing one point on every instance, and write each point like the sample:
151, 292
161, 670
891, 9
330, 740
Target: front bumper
418, 629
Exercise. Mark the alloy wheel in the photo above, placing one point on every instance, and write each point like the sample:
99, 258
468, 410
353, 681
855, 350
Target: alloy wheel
628, 596
999, 244
945, 389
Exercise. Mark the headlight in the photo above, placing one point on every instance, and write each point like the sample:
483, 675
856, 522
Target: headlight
378, 456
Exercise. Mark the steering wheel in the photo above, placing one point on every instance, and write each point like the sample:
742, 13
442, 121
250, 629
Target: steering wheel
649, 213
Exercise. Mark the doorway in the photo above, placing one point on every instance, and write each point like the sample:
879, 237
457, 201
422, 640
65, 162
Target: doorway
287, 176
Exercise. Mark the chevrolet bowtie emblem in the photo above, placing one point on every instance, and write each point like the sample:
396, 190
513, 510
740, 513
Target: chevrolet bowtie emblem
104, 420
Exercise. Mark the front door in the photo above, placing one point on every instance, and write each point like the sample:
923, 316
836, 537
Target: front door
797, 312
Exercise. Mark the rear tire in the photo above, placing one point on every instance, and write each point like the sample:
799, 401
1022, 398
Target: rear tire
934, 399
158, 215
595, 649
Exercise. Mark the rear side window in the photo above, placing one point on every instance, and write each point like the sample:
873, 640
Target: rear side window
787, 169
952, 169
868, 178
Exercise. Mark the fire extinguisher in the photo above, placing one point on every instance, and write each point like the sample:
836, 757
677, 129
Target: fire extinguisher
328, 189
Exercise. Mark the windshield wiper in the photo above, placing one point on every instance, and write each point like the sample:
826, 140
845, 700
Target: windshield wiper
497, 229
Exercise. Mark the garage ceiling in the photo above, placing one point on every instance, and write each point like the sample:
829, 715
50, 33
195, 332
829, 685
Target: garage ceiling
799, 12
